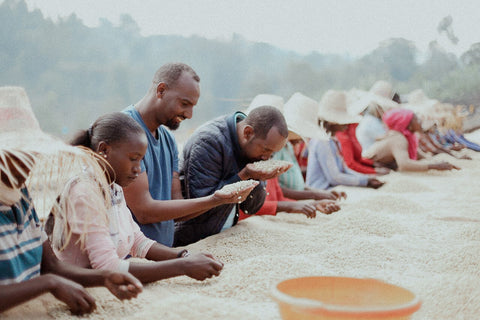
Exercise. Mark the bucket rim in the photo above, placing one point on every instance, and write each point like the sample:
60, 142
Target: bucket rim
311, 306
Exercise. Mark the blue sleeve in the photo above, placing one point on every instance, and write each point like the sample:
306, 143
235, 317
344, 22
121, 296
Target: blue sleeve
469, 144
334, 173
175, 157
172, 145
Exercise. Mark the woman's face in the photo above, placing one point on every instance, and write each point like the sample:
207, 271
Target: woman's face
125, 158
335, 127
415, 124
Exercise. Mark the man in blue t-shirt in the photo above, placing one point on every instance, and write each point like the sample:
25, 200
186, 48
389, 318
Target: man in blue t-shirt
155, 197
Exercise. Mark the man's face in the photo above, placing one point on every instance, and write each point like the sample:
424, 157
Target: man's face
257, 149
178, 101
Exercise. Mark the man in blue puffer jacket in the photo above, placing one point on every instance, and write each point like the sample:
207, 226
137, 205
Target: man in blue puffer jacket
220, 152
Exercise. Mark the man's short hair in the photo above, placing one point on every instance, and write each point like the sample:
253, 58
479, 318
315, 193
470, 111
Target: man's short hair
169, 73
262, 119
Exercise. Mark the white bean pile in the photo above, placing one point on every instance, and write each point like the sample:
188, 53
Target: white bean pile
270, 164
238, 186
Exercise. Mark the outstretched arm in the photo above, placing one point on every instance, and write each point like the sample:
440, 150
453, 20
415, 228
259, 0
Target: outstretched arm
148, 210
333, 173
199, 266
73, 294
57, 279
399, 148
308, 193
122, 285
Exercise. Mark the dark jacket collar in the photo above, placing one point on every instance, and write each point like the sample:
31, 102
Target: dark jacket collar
232, 128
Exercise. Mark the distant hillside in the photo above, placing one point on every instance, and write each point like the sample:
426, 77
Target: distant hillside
73, 73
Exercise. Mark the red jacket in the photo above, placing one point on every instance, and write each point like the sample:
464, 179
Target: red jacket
274, 194
352, 151
301, 153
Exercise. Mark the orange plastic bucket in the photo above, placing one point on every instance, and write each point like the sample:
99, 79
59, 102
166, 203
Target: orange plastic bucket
343, 298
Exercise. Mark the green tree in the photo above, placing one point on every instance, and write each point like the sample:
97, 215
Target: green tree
395, 55
472, 55
438, 62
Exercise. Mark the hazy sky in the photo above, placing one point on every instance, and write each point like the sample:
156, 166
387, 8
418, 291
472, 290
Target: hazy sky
352, 27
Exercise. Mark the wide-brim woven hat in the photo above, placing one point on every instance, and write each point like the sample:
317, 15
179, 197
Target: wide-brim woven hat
419, 102
264, 99
383, 88
301, 116
20, 130
359, 100
333, 108
31, 157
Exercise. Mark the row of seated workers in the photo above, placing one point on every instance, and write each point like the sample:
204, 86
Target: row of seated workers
136, 193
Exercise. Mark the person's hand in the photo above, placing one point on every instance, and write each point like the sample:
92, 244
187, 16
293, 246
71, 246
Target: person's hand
442, 166
78, 300
201, 266
339, 195
251, 172
464, 157
307, 207
382, 171
123, 285
457, 147
378, 164
322, 195
234, 196
327, 206
327, 195
374, 183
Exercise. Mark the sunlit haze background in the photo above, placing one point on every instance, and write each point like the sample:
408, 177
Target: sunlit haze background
78, 59
348, 27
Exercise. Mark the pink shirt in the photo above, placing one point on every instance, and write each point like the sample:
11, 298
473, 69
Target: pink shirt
105, 247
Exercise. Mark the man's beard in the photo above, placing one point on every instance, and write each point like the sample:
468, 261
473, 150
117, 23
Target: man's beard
172, 124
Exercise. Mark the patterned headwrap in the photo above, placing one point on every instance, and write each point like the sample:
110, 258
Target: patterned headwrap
398, 119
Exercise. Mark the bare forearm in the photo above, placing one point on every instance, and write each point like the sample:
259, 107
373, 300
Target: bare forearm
163, 210
86, 277
193, 215
150, 272
298, 195
284, 206
413, 165
445, 150
159, 252
306, 194
14, 294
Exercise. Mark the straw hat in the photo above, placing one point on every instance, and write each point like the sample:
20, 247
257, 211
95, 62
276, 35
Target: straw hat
30, 157
383, 88
417, 100
266, 100
300, 114
424, 107
20, 130
427, 121
333, 108
359, 100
